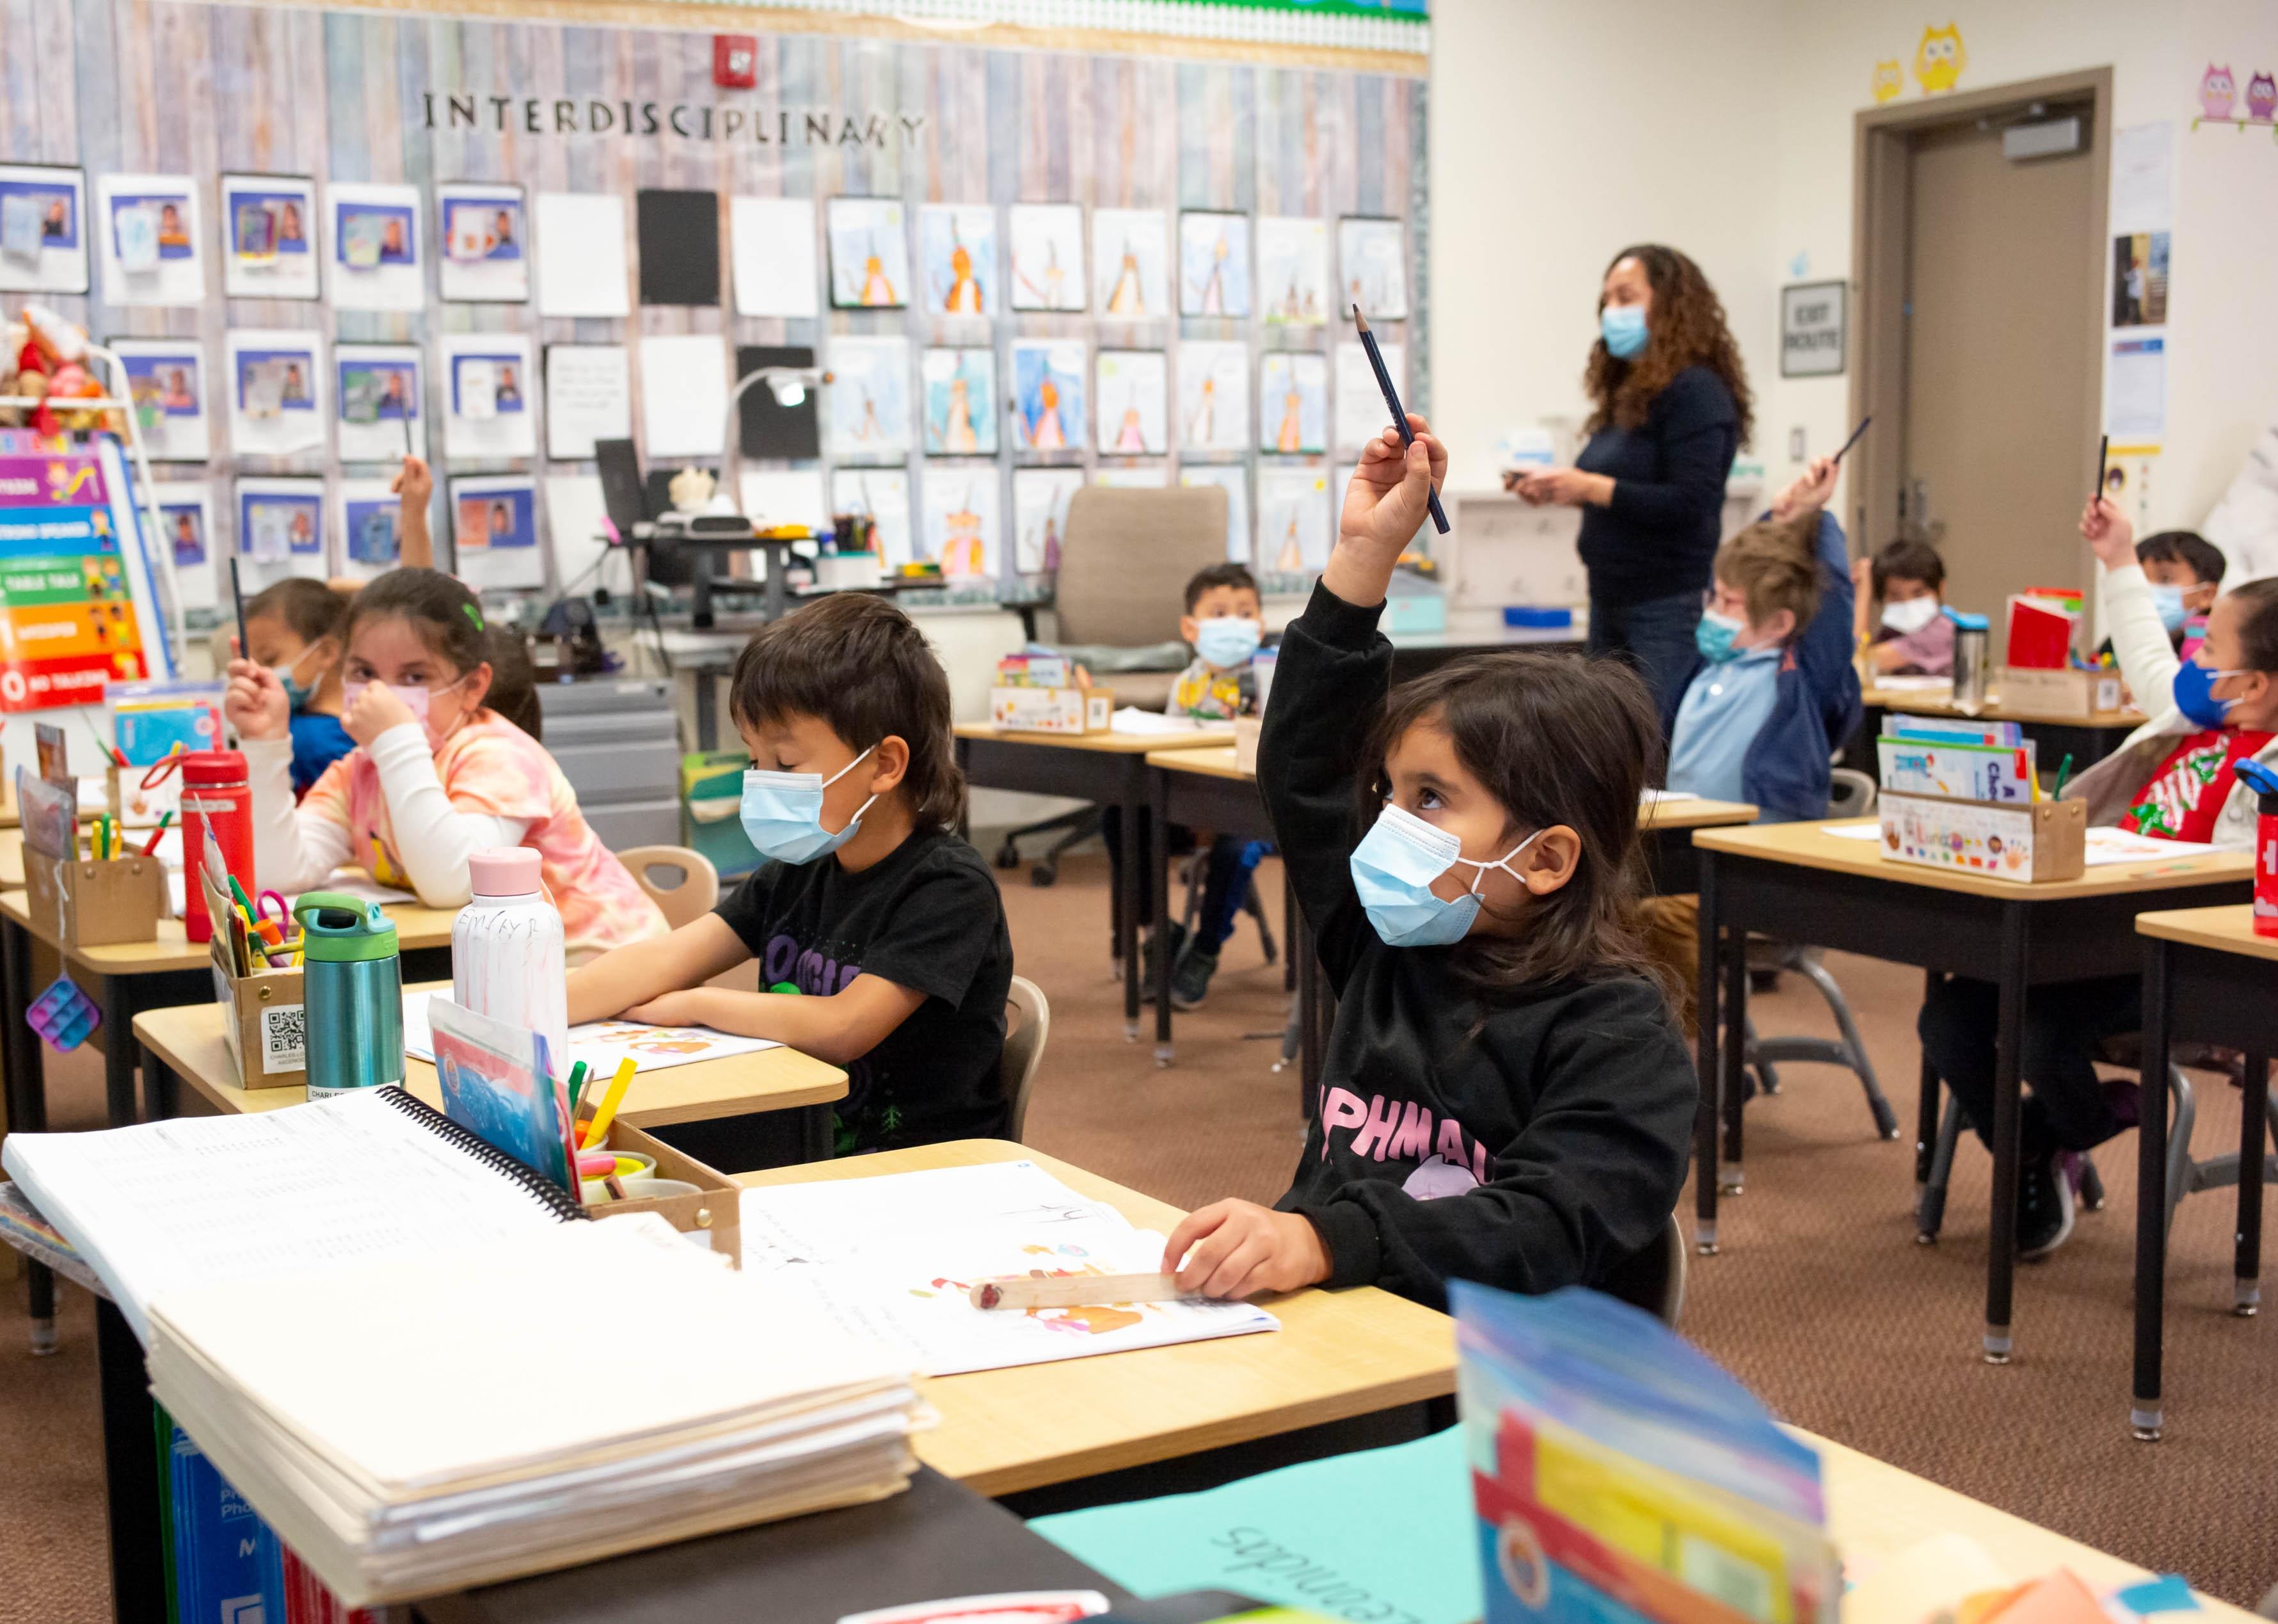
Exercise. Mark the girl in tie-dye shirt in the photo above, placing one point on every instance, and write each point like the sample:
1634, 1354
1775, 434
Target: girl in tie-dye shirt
438, 773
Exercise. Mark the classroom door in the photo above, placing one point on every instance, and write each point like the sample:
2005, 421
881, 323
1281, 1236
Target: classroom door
2002, 394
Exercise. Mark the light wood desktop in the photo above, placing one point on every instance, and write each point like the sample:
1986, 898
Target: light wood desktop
189, 1041
11, 858
1808, 845
1940, 703
1213, 761
1338, 1354
417, 927
1104, 744
2226, 930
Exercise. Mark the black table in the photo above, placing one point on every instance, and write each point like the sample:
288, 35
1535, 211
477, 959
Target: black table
1790, 880
2206, 977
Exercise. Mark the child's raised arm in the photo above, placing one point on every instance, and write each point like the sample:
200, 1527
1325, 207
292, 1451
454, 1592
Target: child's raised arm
2139, 638
1385, 505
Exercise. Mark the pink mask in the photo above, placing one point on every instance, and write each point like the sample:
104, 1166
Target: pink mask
416, 699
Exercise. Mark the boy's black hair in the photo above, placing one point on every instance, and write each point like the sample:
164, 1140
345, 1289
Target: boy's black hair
863, 668
2258, 623
1555, 739
448, 619
1907, 559
1217, 575
311, 610
2202, 558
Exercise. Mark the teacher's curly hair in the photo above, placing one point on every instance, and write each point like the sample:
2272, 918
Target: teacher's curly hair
1687, 328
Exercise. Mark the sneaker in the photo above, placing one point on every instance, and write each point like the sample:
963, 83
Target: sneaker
2044, 1207
1149, 949
1190, 974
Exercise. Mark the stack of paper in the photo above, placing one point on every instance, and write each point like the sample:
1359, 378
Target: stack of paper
1130, 719
602, 1044
414, 1426
892, 1258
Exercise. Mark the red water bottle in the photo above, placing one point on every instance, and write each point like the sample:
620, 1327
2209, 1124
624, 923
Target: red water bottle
214, 796
2264, 783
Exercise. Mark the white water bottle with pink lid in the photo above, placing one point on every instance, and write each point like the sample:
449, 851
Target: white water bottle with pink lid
506, 950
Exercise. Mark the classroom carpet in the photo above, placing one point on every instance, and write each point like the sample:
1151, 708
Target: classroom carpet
1820, 1301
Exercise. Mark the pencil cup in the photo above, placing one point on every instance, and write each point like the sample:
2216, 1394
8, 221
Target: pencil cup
94, 904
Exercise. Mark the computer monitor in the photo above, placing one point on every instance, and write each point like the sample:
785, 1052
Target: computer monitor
620, 486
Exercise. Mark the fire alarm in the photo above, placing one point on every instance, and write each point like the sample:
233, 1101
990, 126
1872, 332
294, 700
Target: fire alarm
735, 61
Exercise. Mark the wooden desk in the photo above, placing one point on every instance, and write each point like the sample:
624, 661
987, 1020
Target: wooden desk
186, 1045
2087, 740
1796, 882
11, 858
1110, 769
2206, 976
1337, 1356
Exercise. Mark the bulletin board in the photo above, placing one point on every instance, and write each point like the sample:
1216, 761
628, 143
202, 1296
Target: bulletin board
374, 206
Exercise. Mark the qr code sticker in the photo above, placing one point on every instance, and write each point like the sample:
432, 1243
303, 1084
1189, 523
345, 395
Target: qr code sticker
283, 1038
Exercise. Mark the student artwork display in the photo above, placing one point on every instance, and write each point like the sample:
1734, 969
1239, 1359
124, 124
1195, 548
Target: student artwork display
486, 396
882, 495
960, 402
42, 229
1214, 264
166, 378
1292, 520
588, 397
1293, 269
380, 416
1154, 477
1040, 505
1293, 403
580, 243
269, 230
869, 254
771, 241
1134, 411
494, 532
1233, 479
78, 602
1047, 255
150, 240
868, 398
684, 394
1048, 378
956, 245
576, 515
372, 528
375, 243
1213, 395
485, 237
280, 529
961, 522
186, 529
784, 496
1372, 259
1362, 414
276, 389
1129, 248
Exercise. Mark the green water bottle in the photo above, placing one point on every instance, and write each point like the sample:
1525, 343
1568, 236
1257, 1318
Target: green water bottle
352, 985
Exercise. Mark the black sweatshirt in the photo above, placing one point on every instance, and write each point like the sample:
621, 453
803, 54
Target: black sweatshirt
1658, 536
1555, 1139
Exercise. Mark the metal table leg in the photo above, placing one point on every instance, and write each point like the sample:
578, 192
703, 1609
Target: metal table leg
118, 1047
1134, 802
2144, 1418
1732, 1082
1926, 1108
138, 1573
1159, 848
28, 1106
2000, 1265
1704, 1119
2246, 1292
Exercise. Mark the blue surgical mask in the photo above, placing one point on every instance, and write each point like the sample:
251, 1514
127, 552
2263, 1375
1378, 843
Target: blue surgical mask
1623, 328
1226, 639
2168, 600
783, 814
1393, 869
1713, 637
297, 694
2194, 692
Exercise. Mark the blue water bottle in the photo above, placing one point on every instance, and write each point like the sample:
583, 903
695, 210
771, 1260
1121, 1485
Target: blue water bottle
352, 985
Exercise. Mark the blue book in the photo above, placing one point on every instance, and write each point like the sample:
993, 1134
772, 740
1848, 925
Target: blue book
228, 1567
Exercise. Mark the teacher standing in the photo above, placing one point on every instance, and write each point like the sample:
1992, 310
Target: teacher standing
1671, 406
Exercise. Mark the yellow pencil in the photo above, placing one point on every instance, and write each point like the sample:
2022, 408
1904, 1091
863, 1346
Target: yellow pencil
600, 1127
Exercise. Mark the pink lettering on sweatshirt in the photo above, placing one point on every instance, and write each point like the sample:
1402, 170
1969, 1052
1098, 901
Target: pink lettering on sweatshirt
1415, 1136
1388, 1130
1376, 1134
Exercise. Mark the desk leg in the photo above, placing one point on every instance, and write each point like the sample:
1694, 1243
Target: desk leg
707, 708
1126, 925
165, 1087
964, 755
1159, 848
2009, 1042
118, 1047
2145, 1418
1731, 1073
815, 1139
130, 1462
2253, 1106
28, 1106
1704, 1117
1926, 1112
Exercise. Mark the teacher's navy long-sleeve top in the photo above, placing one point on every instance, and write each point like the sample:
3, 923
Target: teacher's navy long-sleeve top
1658, 536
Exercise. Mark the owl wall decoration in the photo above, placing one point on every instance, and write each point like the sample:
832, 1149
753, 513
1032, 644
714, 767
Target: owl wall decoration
2216, 92
1939, 58
2262, 98
1890, 79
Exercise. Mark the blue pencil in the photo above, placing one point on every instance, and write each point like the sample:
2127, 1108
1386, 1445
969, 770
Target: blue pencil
1392, 401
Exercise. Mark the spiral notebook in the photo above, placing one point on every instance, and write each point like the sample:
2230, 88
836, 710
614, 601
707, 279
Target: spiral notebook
206, 1202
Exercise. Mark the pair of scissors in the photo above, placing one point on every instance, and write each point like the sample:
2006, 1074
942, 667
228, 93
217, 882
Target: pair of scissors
282, 917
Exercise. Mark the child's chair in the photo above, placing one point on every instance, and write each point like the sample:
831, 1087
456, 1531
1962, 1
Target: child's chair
688, 890
1027, 1022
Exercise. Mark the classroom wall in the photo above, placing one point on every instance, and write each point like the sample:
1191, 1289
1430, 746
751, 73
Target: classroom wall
1558, 135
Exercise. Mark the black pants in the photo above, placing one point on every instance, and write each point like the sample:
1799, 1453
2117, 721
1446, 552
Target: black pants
2067, 1109
1226, 880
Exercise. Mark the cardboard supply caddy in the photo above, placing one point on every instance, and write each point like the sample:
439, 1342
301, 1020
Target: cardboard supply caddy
2000, 839
264, 1015
96, 903
2067, 693
1052, 710
713, 1212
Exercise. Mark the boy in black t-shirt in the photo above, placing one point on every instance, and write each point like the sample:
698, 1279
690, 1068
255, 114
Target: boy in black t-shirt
879, 935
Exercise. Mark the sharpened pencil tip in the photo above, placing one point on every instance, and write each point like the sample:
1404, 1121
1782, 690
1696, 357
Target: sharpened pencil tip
1359, 320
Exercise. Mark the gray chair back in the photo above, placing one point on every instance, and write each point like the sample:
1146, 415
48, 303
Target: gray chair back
1028, 1024
1850, 794
1128, 558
